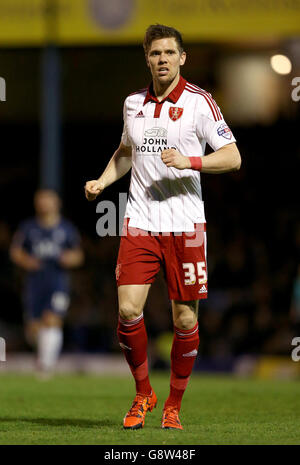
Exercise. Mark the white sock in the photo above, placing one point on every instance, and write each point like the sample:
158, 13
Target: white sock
49, 346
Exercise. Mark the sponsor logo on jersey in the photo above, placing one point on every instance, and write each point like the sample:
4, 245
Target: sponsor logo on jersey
202, 289
156, 132
154, 142
193, 353
175, 113
140, 115
224, 131
46, 249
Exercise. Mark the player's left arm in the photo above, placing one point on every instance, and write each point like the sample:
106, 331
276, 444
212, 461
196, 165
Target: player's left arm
210, 127
71, 258
72, 255
227, 158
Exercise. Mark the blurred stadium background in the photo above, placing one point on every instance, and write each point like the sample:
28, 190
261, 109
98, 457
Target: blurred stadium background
68, 66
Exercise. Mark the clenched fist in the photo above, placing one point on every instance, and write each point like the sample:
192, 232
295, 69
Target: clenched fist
173, 158
93, 188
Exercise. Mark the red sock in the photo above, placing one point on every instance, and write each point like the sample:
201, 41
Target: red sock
133, 341
183, 354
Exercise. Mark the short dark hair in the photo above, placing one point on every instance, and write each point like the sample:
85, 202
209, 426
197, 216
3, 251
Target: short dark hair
159, 31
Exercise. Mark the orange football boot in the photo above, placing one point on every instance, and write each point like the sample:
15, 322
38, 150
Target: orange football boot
170, 418
135, 418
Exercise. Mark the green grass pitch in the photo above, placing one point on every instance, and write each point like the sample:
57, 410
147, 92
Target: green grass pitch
86, 409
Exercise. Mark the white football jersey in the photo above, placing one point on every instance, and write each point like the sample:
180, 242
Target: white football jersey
163, 199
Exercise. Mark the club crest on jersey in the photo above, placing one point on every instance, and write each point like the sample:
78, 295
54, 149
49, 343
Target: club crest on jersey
175, 113
224, 131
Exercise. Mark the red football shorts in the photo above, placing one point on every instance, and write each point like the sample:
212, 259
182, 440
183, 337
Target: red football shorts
182, 256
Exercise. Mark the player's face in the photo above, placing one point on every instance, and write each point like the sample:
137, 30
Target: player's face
164, 60
46, 202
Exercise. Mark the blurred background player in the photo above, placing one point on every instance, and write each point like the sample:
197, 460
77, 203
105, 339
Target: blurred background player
46, 247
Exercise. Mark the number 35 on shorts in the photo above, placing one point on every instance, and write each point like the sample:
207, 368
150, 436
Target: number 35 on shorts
192, 272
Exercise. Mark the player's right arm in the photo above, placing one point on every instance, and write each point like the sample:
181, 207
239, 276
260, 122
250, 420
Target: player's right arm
117, 167
18, 253
24, 260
